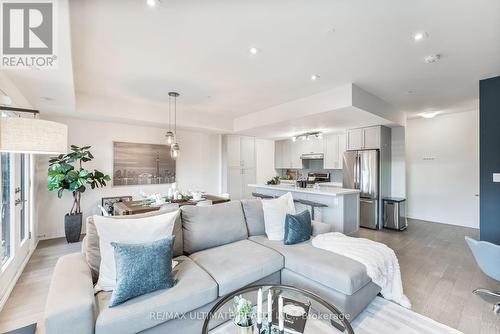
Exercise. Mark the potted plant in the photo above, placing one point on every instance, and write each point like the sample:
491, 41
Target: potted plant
66, 172
244, 315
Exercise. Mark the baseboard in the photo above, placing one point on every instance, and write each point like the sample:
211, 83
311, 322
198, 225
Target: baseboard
12, 284
438, 221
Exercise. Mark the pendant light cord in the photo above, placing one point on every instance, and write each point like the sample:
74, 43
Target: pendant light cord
169, 113
175, 117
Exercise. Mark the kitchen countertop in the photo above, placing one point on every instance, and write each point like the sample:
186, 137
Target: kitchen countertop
327, 191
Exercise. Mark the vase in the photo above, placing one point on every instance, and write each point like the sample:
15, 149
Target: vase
245, 330
73, 227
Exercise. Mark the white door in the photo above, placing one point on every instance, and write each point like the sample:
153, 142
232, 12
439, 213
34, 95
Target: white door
233, 151
248, 177
355, 139
371, 137
247, 152
15, 225
235, 183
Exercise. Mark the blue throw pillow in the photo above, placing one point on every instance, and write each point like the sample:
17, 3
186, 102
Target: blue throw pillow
142, 268
297, 228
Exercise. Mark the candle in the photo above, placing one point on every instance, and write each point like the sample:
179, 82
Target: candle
259, 307
281, 318
269, 306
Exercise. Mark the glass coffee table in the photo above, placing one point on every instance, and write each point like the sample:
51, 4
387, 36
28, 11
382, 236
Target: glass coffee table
322, 317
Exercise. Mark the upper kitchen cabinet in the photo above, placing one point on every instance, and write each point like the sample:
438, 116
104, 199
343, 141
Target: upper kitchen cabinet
287, 155
364, 138
334, 147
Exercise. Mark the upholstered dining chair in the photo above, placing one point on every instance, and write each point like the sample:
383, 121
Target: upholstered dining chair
487, 256
103, 210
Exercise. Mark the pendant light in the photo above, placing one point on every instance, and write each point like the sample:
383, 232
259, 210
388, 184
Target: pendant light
174, 149
170, 135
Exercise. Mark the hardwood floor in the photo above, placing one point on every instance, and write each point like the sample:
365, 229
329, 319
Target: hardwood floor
26, 303
438, 272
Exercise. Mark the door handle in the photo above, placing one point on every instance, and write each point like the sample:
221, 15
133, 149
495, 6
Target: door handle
366, 201
19, 201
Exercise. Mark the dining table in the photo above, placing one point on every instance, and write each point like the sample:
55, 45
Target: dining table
144, 206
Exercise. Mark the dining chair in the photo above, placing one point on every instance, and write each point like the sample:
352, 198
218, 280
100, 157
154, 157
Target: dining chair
487, 257
103, 211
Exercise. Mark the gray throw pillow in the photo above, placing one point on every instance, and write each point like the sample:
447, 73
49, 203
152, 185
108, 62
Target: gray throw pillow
211, 226
254, 216
93, 253
142, 268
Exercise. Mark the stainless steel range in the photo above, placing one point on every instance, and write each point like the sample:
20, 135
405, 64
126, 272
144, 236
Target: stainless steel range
313, 177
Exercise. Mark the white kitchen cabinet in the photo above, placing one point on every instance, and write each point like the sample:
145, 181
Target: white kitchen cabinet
287, 154
247, 152
238, 168
355, 139
295, 153
233, 149
334, 148
278, 156
240, 151
364, 138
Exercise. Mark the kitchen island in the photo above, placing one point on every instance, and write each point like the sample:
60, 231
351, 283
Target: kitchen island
342, 205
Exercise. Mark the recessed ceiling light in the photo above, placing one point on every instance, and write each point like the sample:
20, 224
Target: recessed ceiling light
419, 36
153, 3
253, 50
432, 58
315, 77
429, 114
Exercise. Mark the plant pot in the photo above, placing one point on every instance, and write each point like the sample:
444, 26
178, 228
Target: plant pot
73, 227
244, 330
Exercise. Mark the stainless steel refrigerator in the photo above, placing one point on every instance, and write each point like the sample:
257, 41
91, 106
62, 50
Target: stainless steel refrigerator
361, 171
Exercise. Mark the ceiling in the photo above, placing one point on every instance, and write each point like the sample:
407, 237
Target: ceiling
132, 53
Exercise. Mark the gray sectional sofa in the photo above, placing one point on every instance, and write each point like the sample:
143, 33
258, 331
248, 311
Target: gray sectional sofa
220, 249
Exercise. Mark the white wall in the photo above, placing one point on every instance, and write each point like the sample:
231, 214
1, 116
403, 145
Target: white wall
443, 168
198, 167
264, 160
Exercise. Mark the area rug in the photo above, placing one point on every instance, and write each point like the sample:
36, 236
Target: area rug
381, 316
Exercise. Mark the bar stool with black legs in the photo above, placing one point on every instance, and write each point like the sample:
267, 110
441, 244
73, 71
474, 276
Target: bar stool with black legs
312, 204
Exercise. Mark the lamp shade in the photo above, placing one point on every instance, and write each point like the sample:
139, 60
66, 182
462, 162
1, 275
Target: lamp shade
31, 135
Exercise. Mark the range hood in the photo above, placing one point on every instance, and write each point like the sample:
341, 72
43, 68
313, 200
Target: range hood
312, 156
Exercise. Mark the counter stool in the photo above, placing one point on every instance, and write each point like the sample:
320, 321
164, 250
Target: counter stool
262, 196
312, 204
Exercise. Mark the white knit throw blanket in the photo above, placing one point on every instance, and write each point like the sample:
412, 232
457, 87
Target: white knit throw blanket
381, 263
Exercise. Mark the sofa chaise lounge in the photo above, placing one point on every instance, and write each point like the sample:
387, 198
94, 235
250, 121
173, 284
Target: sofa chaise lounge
220, 249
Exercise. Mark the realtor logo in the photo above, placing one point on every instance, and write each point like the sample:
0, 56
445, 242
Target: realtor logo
28, 35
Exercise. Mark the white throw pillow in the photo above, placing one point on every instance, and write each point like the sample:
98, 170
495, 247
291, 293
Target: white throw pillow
129, 231
275, 211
